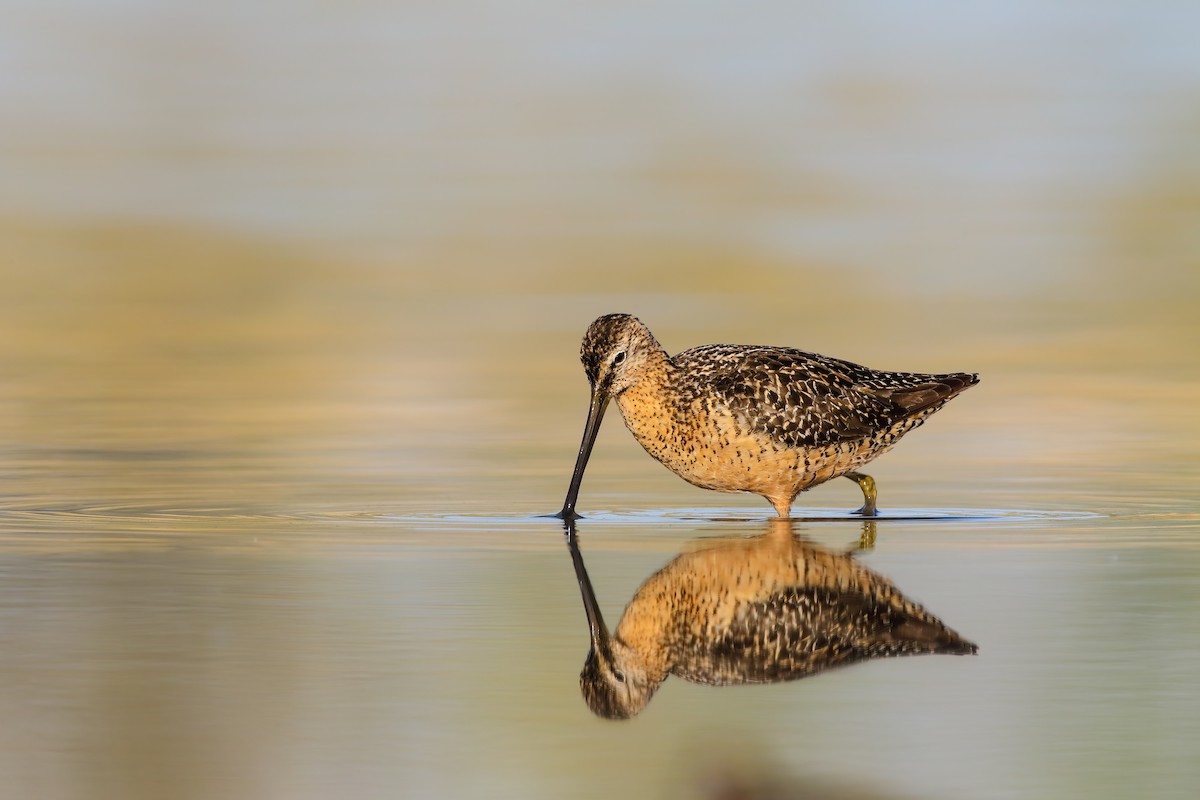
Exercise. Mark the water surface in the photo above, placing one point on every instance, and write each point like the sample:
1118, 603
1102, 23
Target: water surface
288, 372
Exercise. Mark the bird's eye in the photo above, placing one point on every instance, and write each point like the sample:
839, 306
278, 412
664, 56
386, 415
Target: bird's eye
620, 676
619, 358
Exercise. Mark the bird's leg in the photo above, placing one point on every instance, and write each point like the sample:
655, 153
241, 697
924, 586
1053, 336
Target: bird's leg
782, 504
867, 484
866, 540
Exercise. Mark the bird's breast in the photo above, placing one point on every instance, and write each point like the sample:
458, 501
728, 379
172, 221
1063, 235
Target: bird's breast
706, 444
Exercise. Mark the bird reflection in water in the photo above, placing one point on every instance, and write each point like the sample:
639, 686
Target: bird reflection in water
760, 609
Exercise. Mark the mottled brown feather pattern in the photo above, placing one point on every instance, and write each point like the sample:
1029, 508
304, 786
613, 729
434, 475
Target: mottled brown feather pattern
799, 631
769, 420
761, 610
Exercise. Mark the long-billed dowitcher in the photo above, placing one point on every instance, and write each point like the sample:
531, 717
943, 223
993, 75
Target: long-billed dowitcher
763, 609
772, 421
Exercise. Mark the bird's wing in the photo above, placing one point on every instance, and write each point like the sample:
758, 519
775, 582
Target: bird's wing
799, 631
803, 399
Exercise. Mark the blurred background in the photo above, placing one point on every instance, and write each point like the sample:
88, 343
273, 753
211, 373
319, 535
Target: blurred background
384, 226
290, 303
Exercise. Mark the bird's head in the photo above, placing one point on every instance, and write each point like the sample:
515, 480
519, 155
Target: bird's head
614, 681
617, 352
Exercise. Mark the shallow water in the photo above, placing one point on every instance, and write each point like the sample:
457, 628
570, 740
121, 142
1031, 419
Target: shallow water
288, 372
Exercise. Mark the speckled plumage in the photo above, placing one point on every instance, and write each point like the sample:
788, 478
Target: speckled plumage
773, 421
752, 610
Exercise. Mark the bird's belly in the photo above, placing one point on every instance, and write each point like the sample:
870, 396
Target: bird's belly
740, 464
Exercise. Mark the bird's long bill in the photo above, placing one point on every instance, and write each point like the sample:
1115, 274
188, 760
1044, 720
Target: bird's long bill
595, 413
598, 630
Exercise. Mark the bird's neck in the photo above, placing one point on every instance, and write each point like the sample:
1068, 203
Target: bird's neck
649, 407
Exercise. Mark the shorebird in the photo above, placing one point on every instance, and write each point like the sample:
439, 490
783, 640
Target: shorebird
773, 421
762, 609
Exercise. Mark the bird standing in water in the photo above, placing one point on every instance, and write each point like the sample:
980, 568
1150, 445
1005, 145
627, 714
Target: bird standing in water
771, 421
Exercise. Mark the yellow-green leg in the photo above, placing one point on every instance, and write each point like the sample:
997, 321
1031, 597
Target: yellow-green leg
867, 484
866, 541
